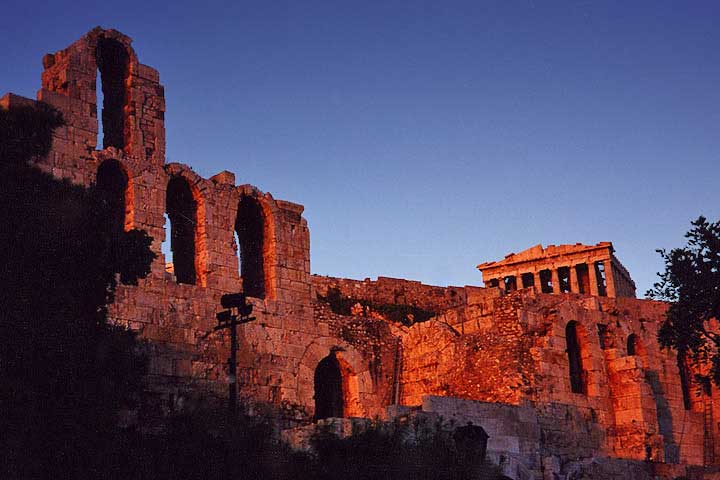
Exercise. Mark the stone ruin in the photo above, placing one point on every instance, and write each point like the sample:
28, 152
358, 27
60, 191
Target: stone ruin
554, 358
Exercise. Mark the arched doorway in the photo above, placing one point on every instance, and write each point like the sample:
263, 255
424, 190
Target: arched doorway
329, 400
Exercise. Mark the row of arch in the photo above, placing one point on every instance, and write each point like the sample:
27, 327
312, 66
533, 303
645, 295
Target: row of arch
576, 351
182, 209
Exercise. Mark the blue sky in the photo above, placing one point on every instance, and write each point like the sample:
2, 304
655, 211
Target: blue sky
426, 137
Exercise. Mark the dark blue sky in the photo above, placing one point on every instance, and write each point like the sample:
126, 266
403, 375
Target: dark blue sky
426, 137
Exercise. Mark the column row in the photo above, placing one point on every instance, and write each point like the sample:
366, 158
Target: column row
593, 279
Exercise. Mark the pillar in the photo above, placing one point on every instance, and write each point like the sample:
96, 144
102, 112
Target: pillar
574, 280
593, 278
609, 279
555, 280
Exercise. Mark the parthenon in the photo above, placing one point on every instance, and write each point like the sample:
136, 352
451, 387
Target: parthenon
587, 269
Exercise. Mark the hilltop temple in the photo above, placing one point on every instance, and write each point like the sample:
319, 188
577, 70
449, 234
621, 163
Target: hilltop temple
554, 357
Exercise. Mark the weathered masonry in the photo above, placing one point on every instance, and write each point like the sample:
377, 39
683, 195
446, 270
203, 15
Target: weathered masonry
555, 357
588, 269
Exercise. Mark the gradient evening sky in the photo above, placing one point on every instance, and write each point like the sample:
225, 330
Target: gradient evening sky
426, 137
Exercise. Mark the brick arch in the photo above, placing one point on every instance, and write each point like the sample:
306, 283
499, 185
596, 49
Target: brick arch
269, 211
115, 62
197, 186
354, 372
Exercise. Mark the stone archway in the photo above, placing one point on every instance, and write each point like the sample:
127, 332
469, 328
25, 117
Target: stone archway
356, 381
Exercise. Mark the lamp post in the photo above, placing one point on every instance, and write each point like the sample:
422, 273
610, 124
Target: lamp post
237, 312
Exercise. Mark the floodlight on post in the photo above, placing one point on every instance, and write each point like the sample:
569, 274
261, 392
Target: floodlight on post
236, 306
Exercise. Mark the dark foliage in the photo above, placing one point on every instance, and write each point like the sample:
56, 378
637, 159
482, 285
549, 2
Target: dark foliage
399, 451
399, 313
205, 445
64, 371
691, 284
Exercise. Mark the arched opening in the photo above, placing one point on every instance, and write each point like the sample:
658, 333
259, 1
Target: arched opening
112, 62
329, 401
577, 374
181, 209
250, 233
632, 346
112, 183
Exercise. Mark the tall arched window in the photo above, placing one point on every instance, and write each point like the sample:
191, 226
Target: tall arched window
577, 374
329, 401
250, 231
112, 62
632, 344
112, 183
182, 213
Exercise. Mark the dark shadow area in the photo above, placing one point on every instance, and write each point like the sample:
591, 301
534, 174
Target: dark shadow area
182, 212
546, 284
112, 184
664, 417
249, 227
583, 278
632, 344
564, 279
113, 62
65, 373
685, 379
411, 450
577, 383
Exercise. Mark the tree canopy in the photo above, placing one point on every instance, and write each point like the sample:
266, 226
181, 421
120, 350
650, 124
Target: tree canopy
691, 285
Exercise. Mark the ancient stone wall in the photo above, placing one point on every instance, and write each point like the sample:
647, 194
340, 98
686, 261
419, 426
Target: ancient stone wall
390, 291
174, 308
513, 349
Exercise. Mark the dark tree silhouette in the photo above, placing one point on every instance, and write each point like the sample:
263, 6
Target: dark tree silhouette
413, 450
691, 284
65, 372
